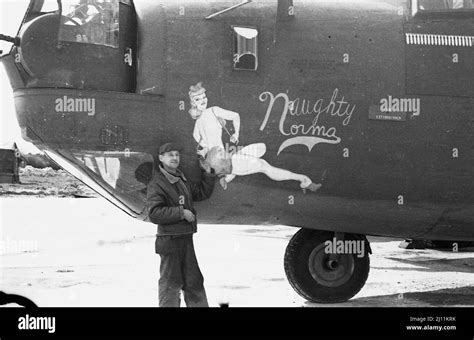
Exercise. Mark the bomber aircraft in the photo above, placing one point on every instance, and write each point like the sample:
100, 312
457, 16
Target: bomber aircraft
344, 118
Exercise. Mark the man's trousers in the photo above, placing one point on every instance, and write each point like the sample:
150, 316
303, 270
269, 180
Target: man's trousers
179, 270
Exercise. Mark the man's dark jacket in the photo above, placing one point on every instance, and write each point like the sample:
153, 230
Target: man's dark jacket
165, 201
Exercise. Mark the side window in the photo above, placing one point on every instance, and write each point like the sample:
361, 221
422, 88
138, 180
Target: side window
245, 48
90, 21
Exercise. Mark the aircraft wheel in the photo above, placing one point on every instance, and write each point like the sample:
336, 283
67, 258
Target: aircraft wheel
317, 277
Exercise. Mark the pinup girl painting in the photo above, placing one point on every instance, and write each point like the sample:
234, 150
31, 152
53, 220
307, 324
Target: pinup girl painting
210, 121
208, 134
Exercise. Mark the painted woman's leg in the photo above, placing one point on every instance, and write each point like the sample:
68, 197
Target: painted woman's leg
243, 165
278, 174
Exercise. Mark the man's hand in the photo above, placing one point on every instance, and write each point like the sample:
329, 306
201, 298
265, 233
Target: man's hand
188, 215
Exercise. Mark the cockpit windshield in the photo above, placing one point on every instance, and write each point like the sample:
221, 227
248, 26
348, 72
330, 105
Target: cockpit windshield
86, 21
90, 21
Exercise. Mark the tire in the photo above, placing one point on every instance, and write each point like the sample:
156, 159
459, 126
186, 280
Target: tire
320, 283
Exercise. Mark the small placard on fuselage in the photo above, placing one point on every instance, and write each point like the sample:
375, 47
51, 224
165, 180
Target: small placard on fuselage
376, 114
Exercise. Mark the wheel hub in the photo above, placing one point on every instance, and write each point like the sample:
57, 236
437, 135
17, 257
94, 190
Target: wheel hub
328, 271
332, 264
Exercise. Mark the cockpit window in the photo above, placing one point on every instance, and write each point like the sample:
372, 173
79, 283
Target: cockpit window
121, 178
245, 48
445, 5
123, 174
90, 21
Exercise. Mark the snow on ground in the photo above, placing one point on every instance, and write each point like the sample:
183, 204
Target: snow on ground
85, 252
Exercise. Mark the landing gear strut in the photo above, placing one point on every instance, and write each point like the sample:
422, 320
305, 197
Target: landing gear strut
324, 277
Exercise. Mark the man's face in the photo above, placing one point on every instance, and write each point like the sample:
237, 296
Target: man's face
200, 101
170, 159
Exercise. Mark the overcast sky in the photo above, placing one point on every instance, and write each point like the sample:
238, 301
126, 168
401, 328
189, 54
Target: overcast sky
11, 14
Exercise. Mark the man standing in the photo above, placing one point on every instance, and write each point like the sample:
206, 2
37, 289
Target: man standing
170, 205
